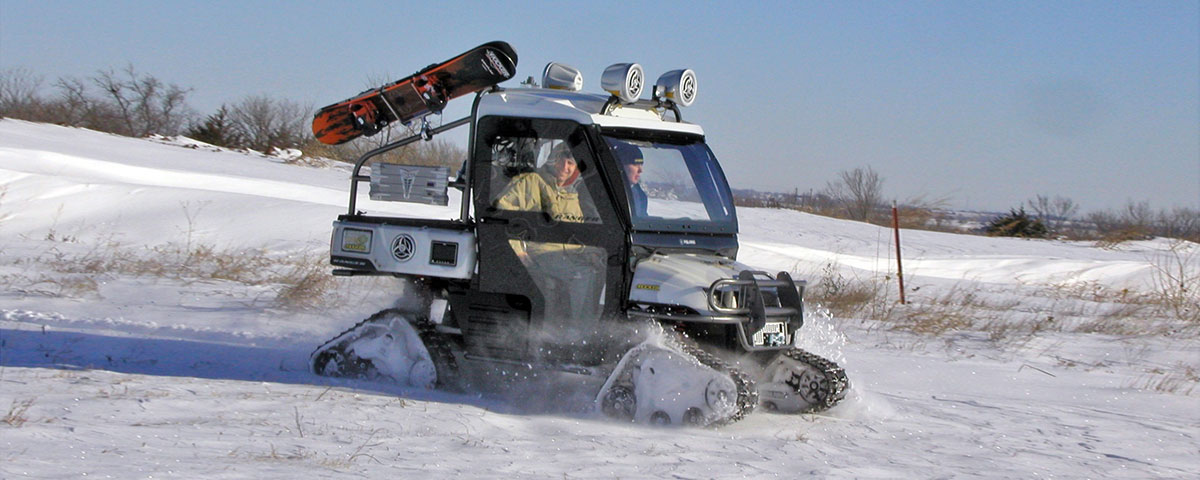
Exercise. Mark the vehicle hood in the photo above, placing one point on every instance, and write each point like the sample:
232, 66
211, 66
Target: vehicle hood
681, 279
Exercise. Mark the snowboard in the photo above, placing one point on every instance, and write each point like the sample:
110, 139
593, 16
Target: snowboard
417, 95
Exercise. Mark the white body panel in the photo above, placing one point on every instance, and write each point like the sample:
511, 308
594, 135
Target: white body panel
680, 279
412, 250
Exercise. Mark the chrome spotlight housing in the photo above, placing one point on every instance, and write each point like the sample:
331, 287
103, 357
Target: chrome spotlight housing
678, 86
562, 77
624, 81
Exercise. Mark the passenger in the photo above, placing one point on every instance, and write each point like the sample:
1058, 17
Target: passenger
631, 160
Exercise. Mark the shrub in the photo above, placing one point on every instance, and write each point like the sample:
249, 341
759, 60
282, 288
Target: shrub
217, 129
1017, 224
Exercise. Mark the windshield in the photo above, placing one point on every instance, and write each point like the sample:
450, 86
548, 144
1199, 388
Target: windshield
674, 187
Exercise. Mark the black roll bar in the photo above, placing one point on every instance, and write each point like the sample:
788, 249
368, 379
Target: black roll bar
425, 134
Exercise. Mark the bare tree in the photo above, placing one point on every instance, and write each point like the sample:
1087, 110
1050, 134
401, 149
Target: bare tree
19, 94
119, 96
1138, 214
263, 122
1180, 222
924, 212
858, 192
1053, 212
75, 107
144, 104
435, 152
1133, 222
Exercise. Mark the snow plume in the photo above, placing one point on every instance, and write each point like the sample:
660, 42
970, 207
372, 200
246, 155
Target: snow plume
563, 378
822, 335
412, 298
569, 376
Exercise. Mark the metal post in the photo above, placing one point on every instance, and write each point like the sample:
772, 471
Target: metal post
468, 163
899, 265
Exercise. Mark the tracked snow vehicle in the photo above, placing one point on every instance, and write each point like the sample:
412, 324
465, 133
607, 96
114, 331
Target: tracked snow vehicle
636, 284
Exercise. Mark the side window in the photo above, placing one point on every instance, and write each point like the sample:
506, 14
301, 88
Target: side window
544, 172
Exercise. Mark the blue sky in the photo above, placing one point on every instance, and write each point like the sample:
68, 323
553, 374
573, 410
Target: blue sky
983, 104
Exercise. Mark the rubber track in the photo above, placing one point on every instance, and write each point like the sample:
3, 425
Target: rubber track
835, 376
435, 343
442, 354
747, 394
329, 344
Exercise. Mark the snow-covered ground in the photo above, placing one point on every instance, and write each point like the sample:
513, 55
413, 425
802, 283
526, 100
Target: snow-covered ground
153, 324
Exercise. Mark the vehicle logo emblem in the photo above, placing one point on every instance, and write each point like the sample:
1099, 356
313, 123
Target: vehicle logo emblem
407, 177
495, 61
403, 247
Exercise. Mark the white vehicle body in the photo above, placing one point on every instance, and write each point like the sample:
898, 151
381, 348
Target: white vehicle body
682, 276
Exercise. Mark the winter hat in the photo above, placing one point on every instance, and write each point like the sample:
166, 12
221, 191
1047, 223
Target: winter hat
628, 153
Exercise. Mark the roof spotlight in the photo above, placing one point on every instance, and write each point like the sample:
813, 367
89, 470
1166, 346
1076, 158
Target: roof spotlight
678, 86
624, 80
562, 77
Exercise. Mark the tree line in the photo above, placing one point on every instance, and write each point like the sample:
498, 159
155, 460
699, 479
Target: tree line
132, 103
857, 194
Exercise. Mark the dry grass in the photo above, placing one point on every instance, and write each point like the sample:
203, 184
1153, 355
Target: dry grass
73, 286
1110, 239
16, 416
77, 264
306, 283
1170, 309
299, 280
1094, 308
1016, 316
845, 297
1178, 379
1177, 281
1013, 320
955, 310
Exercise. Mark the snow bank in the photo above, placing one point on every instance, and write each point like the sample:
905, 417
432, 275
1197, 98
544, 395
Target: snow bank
118, 376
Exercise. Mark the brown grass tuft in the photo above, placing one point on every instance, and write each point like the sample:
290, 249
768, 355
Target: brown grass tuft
16, 416
305, 284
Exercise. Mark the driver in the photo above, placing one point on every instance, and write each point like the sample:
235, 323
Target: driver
570, 274
551, 189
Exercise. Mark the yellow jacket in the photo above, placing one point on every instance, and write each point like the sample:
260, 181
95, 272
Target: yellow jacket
538, 191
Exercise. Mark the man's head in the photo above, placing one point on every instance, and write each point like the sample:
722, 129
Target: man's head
633, 172
631, 160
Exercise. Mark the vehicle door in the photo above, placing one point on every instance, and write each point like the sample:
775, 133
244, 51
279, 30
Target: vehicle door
557, 242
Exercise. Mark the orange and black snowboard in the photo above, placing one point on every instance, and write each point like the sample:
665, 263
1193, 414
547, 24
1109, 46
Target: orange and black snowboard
424, 92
